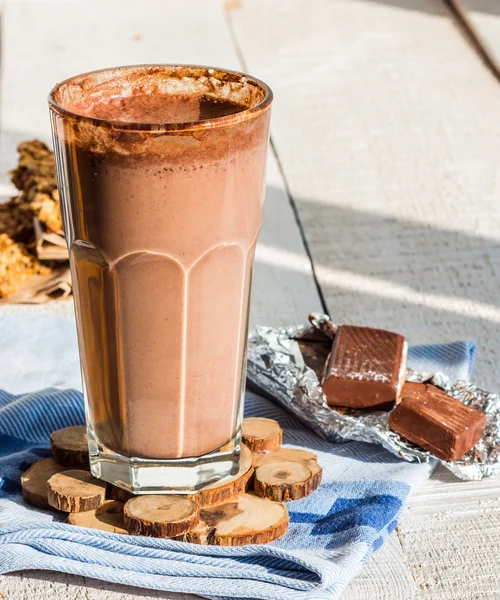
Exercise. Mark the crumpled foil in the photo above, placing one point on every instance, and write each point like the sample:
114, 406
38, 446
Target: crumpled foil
277, 370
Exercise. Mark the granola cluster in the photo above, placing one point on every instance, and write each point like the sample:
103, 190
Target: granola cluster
17, 265
38, 198
16, 220
35, 178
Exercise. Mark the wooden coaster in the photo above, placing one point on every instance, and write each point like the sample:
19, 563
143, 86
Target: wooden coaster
70, 446
75, 491
261, 435
160, 516
297, 455
34, 482
221, 514
228, 488
283, 481
116, 493
247, 520
107, 517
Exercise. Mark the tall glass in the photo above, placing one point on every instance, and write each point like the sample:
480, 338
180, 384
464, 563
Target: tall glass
161, 220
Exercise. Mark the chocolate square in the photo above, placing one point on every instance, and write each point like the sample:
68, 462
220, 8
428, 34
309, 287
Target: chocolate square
315, 355
366, 367
315, 346
435, 421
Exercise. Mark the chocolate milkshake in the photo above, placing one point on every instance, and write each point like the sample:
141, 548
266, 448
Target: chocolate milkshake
161, 171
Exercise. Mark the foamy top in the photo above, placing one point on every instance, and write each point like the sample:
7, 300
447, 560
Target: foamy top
73, 97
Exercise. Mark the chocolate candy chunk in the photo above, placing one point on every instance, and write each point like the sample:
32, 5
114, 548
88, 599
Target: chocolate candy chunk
432, 419
315, 346
315, 355
312, 334
366, 367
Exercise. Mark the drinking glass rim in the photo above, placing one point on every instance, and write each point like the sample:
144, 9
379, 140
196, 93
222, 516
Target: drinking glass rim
153, 126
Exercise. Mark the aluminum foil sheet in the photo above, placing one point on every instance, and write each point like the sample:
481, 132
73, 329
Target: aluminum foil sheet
277, 370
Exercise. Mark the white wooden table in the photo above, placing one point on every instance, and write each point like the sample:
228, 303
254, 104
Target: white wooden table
382, 204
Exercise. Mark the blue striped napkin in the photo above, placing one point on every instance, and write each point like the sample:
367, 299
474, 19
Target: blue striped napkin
332, 532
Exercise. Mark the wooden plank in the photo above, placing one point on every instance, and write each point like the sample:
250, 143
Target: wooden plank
385, 124
49, 41
444, 492
43, 585
447, 568
386, 576
284, 291
450, 534
482, 19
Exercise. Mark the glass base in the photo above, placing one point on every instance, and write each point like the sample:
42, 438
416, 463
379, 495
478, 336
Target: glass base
173, 476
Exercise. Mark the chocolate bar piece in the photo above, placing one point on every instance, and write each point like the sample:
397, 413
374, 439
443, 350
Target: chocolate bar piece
315, 355
366, 367
315, 346
432, 419
314, 335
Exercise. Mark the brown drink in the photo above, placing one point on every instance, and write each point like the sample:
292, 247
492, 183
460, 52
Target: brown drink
161, 171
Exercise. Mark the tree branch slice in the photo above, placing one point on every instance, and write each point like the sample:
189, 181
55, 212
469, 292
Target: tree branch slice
34, 482
70, 446
309, 459
160, 516
75, 491
247, 520
228, 488
107, 517
117, 493
283, 481
261, 435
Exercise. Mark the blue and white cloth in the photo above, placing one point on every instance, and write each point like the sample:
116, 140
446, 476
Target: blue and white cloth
331, 534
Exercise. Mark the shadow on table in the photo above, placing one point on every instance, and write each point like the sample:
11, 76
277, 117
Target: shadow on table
118, 591
9, 140
443, 475
430, 283
435, 6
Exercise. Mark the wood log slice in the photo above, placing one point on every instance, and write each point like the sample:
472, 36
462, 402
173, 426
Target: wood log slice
247, 520
309, 459
261, 435
228, 488
70, 446
75, 490
34, 482
117, 493
283, 481
107, 517
160, 516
